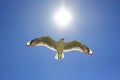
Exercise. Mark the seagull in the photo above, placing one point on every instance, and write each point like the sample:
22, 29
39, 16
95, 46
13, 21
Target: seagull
59, 46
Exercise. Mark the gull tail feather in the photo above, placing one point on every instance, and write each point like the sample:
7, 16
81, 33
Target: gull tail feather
59, 56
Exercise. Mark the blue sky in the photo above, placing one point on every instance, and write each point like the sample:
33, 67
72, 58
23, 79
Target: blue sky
96, 24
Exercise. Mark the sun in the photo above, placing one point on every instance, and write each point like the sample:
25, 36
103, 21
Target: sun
62, 17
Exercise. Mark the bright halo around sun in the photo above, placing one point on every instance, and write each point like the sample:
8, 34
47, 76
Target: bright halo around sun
62, 18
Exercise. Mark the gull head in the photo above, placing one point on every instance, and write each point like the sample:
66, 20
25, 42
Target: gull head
62, 39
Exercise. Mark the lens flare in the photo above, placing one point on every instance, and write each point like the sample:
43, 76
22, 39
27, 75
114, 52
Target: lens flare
62, 17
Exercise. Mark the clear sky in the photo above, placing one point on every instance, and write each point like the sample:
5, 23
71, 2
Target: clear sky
96, 23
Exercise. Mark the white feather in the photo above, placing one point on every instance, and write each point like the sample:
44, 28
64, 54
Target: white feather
28, 43
46, 45
56, 56
71, 49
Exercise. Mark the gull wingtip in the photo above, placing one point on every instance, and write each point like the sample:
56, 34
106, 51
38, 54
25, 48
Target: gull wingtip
90, 52
28, 43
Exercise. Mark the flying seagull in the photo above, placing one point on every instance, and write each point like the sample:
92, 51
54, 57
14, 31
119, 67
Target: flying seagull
59, 46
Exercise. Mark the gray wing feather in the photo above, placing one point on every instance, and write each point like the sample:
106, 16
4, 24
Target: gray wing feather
76, 45
43, 41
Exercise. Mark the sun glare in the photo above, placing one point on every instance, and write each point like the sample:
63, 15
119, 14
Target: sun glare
62, 17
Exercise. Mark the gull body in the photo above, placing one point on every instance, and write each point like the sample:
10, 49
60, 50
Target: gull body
59, 46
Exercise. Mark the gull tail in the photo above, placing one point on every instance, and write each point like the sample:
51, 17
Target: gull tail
59, 56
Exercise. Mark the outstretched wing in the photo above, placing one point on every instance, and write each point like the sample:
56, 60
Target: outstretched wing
43, 41
76, 45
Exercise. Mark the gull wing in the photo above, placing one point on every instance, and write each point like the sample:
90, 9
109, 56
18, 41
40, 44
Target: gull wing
76, 45
43, 41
